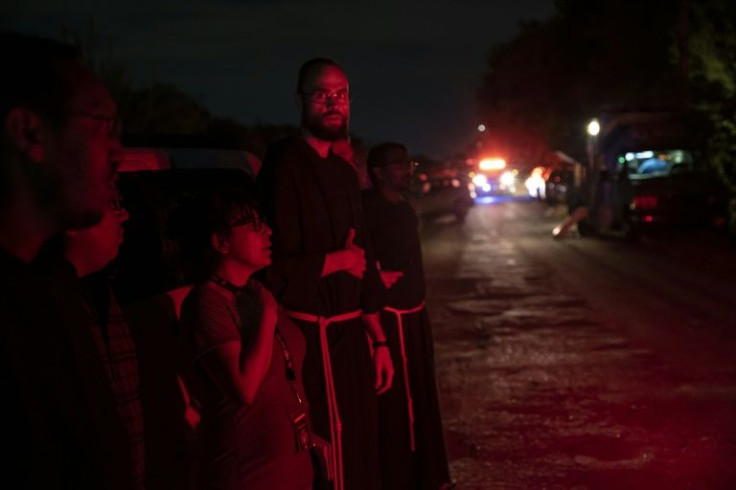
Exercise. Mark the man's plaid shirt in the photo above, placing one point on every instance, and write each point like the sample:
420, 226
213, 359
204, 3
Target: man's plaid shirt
116, 347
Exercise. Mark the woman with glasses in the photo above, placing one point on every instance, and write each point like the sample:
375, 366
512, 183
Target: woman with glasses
244, 356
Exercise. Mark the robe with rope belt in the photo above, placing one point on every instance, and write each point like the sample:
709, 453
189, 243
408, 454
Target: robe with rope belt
311, 204
411, 438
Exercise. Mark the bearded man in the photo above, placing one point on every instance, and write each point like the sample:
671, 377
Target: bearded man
328, 278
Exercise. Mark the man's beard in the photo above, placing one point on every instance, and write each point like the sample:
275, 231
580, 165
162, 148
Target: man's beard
314, 125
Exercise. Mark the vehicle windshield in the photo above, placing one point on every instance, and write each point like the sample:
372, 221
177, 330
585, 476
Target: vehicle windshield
657, 163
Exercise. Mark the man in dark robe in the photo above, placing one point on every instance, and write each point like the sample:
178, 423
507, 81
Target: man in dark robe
411, 441
62, 426
330, 285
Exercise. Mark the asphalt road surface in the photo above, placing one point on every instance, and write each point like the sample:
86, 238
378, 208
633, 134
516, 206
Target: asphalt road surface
582, 363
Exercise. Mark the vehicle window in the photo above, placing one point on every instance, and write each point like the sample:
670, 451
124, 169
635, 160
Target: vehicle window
656, 163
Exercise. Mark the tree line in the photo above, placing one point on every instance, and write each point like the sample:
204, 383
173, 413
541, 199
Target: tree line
540, 88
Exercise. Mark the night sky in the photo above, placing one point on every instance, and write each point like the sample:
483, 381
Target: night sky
413, 66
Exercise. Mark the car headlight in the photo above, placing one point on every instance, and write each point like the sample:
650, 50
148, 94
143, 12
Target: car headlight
480, 180
507, 179
534, 183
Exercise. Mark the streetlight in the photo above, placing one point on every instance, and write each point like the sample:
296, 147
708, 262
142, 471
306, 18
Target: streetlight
594, 127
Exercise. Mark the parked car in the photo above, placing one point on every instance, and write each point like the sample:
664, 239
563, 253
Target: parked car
665, 189
152, 182
441, 191
651, 176
559, 180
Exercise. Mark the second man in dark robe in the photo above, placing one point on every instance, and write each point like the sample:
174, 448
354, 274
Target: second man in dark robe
411, 440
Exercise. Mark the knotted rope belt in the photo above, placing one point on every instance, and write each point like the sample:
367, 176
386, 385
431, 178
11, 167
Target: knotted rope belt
332, 409
409, 400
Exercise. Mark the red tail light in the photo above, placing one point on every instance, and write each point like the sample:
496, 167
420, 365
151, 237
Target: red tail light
644, 202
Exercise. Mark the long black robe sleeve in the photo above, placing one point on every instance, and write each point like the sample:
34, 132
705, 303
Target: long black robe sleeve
312, 203
299, 271
395, 243
373, 292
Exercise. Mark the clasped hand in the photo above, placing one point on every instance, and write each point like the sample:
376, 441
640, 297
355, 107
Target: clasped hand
354, 256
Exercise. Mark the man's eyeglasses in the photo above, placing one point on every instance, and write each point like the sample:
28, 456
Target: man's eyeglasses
113, 124
321, 96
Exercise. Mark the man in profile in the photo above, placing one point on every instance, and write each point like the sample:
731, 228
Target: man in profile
59, 130
331, 287
412, 444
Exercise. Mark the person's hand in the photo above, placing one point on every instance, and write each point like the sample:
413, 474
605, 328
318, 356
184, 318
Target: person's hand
389, 278
354, 256
384, 369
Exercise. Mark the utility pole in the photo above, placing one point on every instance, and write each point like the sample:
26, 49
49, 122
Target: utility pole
684, 52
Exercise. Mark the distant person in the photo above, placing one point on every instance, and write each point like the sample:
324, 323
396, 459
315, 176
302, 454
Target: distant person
330, 285
576, 197
244, 357
59, 131
90, 251
412, 444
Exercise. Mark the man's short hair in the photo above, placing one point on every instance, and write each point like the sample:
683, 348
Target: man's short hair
312, 66
381, 155
33, 75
